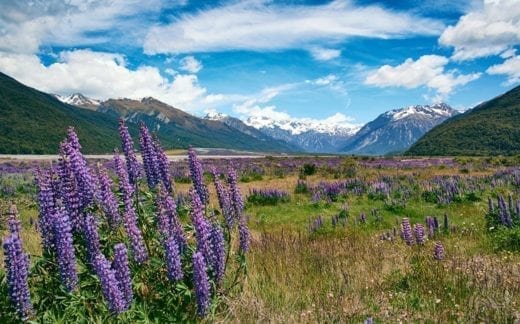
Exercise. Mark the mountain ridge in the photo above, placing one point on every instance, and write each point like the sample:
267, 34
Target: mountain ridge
490, 128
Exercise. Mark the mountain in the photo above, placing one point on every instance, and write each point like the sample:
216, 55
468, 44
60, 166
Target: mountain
33, 122
396, 130
249, 130
307, 134
186, 129
491, 128
78, 99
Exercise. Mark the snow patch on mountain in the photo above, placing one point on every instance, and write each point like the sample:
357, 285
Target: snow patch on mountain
337, 124
78, 99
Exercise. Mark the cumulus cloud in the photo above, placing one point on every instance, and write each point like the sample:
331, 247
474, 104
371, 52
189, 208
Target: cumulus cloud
324, 54
190, 64
265, 25
428, 70
103, 75
487, 30
510, 68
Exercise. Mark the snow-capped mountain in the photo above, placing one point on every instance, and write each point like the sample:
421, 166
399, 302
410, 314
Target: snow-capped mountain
78, 99
396, 130
325, 136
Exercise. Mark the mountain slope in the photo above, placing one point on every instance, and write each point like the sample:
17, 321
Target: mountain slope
249, 130
395, 130
306, 134
490, 128
33, 122
186, 129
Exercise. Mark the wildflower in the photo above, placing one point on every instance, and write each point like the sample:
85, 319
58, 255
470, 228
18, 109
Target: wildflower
196, 176
219, 251
17, 268
107, 199
201, 282
122, 273
91, 235
65, 250
202, 228
109, 284
407, 231
47, 208
140, 254
133, 167
419, 234
149, 156
438, 251
173, 259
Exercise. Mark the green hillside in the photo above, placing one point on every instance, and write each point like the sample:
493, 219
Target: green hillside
32, 122
491, 128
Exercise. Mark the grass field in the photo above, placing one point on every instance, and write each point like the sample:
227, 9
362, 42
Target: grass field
348, 272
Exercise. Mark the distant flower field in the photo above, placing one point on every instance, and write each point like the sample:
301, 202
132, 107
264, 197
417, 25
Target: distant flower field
282, 239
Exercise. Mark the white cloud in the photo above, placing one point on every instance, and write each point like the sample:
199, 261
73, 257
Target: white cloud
27, 24
190, 64
324, 54
428, 70
103, 75
264, 25
258, 107
487, 30
510, 67
331, 81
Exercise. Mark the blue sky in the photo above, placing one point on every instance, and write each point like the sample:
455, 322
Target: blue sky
340, 61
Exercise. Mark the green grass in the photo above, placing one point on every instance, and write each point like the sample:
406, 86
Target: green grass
347, 274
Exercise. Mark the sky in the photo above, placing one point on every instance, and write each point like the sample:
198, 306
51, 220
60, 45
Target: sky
342, 62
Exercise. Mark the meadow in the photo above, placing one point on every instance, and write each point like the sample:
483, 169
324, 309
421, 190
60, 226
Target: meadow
332, 239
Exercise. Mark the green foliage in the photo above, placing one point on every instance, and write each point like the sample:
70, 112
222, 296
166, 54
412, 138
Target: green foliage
309, 169
507, 239
488, 129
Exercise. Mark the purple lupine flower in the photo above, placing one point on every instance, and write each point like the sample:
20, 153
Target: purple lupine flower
223, 200
173, 259
17, 268
150, 163
109, 285
202, 285
196, 176
47, 207
362, 218
245, 235
163, 166
132, 165
65, 250
122, 272
167, 220
419, 234
107, 199
85, 182
202, 228
91, 235
234, 191
69, 192
407, 231
219, 251
438, 251
139, 252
